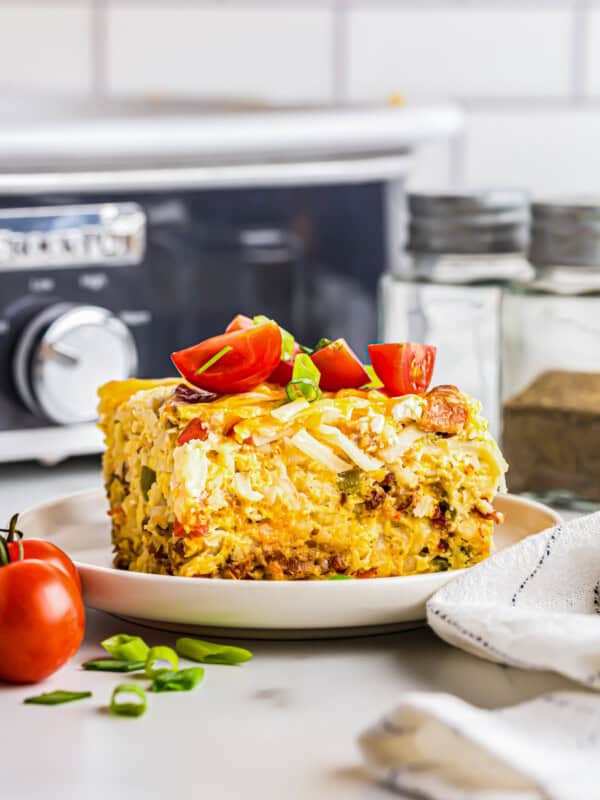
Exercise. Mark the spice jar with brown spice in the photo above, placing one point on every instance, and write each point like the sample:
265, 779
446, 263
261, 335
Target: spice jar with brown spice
551, 359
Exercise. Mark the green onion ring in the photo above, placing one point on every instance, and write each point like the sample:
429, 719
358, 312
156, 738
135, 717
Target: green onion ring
160, 653
211, 653
113, 665
126, 647
128, 708
183, 680
57, 697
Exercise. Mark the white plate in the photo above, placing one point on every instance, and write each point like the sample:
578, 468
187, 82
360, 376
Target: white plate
298, 609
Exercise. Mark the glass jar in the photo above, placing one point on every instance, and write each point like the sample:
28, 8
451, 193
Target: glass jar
551, 359
446, 289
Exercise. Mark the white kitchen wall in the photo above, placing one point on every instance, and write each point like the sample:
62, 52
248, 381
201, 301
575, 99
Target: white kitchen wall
527, 72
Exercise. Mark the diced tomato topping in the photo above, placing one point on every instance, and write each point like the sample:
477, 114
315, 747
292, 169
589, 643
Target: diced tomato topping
195, 429
247, 358
340, 367
282, 374
404, 368
194, 533
239, 323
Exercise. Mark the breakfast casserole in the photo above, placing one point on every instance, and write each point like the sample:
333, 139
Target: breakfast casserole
287, 480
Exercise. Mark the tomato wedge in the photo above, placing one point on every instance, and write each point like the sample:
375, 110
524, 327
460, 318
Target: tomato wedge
404, 368
282, 374
340, 367
243, 359
239, 323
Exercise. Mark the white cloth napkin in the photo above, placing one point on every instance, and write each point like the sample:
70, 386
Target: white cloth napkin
533, 606
436, 747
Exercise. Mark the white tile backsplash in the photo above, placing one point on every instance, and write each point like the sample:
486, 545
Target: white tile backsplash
550, 151
593, 48
45, 46
528, 70
458, 51
272, 53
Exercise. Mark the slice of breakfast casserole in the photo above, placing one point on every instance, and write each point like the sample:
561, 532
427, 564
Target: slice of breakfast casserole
259, 485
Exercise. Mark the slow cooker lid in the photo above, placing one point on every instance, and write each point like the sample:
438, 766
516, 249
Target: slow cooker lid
79, 136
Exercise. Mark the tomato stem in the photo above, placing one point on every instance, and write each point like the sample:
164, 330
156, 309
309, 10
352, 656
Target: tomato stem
13, 532
4, 554
20, 549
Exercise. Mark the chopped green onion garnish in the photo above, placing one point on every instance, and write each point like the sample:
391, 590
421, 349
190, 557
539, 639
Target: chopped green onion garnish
113, 665
287, 339
57, 697
158, 654
340, 578
209, 653
303, 387
217, 357
374, 383
321, 344
129, 707
126, 648
305, 380
177, 681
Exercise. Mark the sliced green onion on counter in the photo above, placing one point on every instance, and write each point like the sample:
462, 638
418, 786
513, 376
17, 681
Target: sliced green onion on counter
182, 680
126, 648
158, 654
128, 707
113, 665
57, 697
305, 380
209, 653
217, 357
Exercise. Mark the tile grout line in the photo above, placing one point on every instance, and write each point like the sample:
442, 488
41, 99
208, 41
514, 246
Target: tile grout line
98, 51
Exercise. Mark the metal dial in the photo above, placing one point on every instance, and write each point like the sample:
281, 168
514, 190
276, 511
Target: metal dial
65, 353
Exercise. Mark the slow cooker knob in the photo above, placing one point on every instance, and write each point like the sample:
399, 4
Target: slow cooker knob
64, 354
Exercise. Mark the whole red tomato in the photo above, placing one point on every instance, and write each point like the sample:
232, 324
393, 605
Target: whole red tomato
48, 552
42, 620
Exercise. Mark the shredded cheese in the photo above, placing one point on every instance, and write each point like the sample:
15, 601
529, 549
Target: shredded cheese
287, 411
336, 437
320, 452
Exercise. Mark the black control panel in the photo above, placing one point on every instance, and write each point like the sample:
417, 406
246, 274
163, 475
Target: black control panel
95, 285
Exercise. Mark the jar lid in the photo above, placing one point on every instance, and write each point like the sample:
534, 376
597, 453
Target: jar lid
488, 221
566, 232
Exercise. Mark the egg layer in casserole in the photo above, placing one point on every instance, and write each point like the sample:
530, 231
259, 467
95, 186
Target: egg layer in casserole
252, 486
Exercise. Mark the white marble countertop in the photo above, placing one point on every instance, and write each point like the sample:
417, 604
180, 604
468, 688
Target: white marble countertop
283, 725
